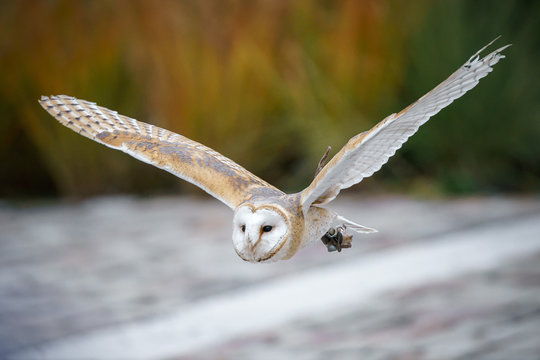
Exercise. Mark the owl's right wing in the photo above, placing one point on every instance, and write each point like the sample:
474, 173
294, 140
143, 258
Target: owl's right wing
365, 153
217, 175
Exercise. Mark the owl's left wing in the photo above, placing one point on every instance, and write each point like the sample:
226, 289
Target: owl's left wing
217, 175
365, 153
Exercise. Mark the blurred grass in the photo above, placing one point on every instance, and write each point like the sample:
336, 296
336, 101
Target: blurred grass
269, 84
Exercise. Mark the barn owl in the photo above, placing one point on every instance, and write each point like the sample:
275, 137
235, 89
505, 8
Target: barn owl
268, 224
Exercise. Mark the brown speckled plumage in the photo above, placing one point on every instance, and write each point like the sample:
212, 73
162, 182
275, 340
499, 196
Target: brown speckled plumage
185, 158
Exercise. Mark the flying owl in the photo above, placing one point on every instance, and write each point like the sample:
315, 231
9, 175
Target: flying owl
269, 225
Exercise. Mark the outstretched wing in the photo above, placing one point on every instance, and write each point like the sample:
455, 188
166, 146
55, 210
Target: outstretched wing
187, 159
365, 153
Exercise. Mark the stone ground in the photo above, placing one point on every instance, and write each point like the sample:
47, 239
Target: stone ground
75, 278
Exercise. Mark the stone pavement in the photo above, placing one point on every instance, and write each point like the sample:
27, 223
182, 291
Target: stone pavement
494, 315
74, 272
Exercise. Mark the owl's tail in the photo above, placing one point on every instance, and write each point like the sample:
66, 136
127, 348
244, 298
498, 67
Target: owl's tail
355, 227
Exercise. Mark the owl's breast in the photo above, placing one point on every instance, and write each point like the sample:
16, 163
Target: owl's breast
318, 221
303, 229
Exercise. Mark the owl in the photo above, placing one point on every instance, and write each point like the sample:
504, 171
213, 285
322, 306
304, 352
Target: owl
268, 224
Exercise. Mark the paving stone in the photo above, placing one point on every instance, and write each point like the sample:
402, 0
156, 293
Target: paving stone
68, 269
471, 317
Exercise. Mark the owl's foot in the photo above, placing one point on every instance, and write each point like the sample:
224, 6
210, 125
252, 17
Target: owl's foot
335, 239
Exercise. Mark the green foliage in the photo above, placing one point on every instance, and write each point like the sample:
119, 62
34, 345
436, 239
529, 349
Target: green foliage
269, 84
487, 140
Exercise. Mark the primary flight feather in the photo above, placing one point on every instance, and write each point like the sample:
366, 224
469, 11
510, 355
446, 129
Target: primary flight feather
268, 224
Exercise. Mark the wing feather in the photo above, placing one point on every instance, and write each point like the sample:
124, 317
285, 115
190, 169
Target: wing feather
185, 158
367, 152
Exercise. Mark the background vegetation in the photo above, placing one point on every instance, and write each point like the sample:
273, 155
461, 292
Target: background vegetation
269, 84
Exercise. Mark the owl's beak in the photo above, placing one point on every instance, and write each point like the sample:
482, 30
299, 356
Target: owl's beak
252, 245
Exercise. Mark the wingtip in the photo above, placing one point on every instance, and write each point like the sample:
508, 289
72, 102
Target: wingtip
56, 98
491, 42
477, 54
504, 47
43, 99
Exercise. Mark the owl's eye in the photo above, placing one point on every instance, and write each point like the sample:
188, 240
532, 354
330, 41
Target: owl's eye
267, 228
243, 228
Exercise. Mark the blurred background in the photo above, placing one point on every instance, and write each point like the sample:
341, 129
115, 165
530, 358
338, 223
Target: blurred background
269, 84
140, 266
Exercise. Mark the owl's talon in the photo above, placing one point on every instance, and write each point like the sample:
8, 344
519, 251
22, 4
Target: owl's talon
347, 241
335, 239
331, 247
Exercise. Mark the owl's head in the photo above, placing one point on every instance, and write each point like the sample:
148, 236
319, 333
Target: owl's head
259, 232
